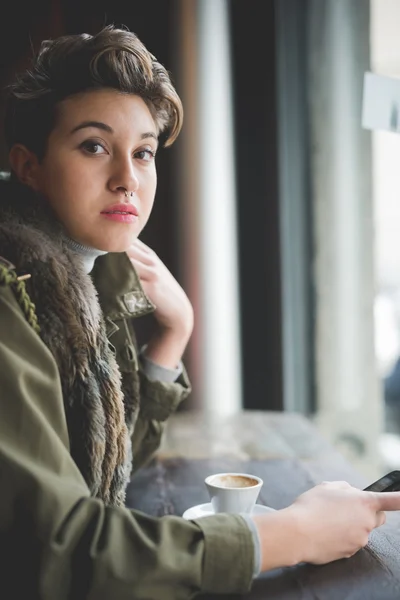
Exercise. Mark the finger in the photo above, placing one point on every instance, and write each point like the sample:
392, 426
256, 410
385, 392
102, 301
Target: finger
338, 485
145, 272
143, 246
386, 500
138, 253
380, 518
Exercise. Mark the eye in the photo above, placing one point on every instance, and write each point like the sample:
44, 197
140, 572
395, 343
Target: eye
146, 154
93, 147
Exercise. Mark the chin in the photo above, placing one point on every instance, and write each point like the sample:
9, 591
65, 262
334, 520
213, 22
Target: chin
115, 245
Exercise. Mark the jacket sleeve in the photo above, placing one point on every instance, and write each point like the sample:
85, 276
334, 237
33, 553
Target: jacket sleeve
65, 544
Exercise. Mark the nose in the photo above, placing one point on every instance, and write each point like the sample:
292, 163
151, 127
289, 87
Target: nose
124, 176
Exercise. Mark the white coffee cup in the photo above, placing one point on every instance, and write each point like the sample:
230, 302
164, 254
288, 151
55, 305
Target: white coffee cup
233, 492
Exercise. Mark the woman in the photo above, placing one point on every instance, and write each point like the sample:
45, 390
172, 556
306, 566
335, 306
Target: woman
80, 407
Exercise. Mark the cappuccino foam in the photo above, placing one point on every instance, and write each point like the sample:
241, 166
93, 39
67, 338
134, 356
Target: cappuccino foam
234, 481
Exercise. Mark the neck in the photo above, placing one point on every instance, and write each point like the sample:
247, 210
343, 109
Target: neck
87, 253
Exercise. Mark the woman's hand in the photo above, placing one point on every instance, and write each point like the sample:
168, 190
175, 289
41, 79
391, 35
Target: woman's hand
329, 522
173, 313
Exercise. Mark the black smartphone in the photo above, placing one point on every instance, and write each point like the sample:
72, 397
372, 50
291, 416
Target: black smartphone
387, 483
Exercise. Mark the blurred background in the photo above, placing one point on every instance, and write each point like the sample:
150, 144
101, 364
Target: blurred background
275, 210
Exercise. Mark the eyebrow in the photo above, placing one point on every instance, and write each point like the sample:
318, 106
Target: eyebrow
105, 127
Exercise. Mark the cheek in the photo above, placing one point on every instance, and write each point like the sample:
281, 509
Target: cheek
149, 189
65, 184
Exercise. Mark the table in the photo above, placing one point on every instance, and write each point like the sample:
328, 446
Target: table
285, 450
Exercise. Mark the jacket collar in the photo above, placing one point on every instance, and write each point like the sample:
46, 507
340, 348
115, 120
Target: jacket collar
118, 285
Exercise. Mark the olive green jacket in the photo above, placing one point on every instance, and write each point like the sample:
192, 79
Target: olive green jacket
58, 542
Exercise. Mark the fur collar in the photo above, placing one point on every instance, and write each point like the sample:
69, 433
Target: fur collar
72, 327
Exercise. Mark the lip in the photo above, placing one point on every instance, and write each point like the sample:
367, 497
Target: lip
120, 218
121, 207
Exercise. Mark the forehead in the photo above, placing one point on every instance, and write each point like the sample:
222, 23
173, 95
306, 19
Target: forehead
124, 113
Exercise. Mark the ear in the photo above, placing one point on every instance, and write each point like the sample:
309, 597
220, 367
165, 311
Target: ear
25, 165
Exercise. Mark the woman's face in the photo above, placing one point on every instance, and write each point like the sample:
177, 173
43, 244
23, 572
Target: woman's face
103, 145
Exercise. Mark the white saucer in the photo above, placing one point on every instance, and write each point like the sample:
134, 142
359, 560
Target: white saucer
205, 510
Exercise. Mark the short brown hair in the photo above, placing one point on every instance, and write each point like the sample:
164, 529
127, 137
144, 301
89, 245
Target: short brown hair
113, 58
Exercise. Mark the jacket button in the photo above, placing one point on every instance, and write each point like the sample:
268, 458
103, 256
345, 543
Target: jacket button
130, 303
136, 301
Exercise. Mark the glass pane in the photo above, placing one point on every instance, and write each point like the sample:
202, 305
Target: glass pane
385, 60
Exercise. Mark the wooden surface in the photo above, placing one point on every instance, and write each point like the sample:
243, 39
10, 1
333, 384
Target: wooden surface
290, 456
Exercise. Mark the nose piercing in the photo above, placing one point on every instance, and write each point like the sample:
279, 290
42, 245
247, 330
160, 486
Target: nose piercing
127, 194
